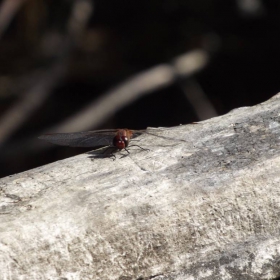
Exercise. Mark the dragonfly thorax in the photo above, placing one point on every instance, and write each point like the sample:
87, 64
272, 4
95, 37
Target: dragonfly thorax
120, 142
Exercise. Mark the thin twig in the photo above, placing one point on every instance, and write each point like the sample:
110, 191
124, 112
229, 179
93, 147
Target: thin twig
43, 87
198, 99
8, 9
29, 101
132, 89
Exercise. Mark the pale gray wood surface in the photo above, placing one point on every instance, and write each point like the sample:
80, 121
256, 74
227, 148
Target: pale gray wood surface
203, 203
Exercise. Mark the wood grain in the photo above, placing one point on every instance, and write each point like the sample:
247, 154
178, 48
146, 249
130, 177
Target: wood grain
202, 203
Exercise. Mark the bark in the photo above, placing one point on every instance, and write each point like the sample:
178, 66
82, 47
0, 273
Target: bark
202, 203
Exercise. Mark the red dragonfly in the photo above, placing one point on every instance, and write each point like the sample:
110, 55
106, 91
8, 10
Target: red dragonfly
118, 138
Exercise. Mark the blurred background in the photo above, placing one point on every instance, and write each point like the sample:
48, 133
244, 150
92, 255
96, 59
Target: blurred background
77, 65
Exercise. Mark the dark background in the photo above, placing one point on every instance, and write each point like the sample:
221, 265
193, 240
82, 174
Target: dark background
114, 42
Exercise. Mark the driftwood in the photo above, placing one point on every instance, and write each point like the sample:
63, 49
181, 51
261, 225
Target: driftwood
202, 203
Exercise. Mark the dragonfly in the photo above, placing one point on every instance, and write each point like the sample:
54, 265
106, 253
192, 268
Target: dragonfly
117, 138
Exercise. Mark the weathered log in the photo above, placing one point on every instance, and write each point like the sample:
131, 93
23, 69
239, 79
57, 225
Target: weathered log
202, 203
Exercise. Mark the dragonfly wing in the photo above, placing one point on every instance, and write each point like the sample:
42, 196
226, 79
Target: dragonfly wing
81, 139
136, 133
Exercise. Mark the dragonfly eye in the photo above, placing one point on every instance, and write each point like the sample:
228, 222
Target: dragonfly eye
120, 142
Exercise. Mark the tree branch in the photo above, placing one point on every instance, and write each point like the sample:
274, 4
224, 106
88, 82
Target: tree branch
203, 203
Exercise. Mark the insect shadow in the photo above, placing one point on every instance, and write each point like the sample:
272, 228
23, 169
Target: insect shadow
110, 151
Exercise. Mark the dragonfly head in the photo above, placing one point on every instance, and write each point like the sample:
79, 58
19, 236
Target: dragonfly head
120, 142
